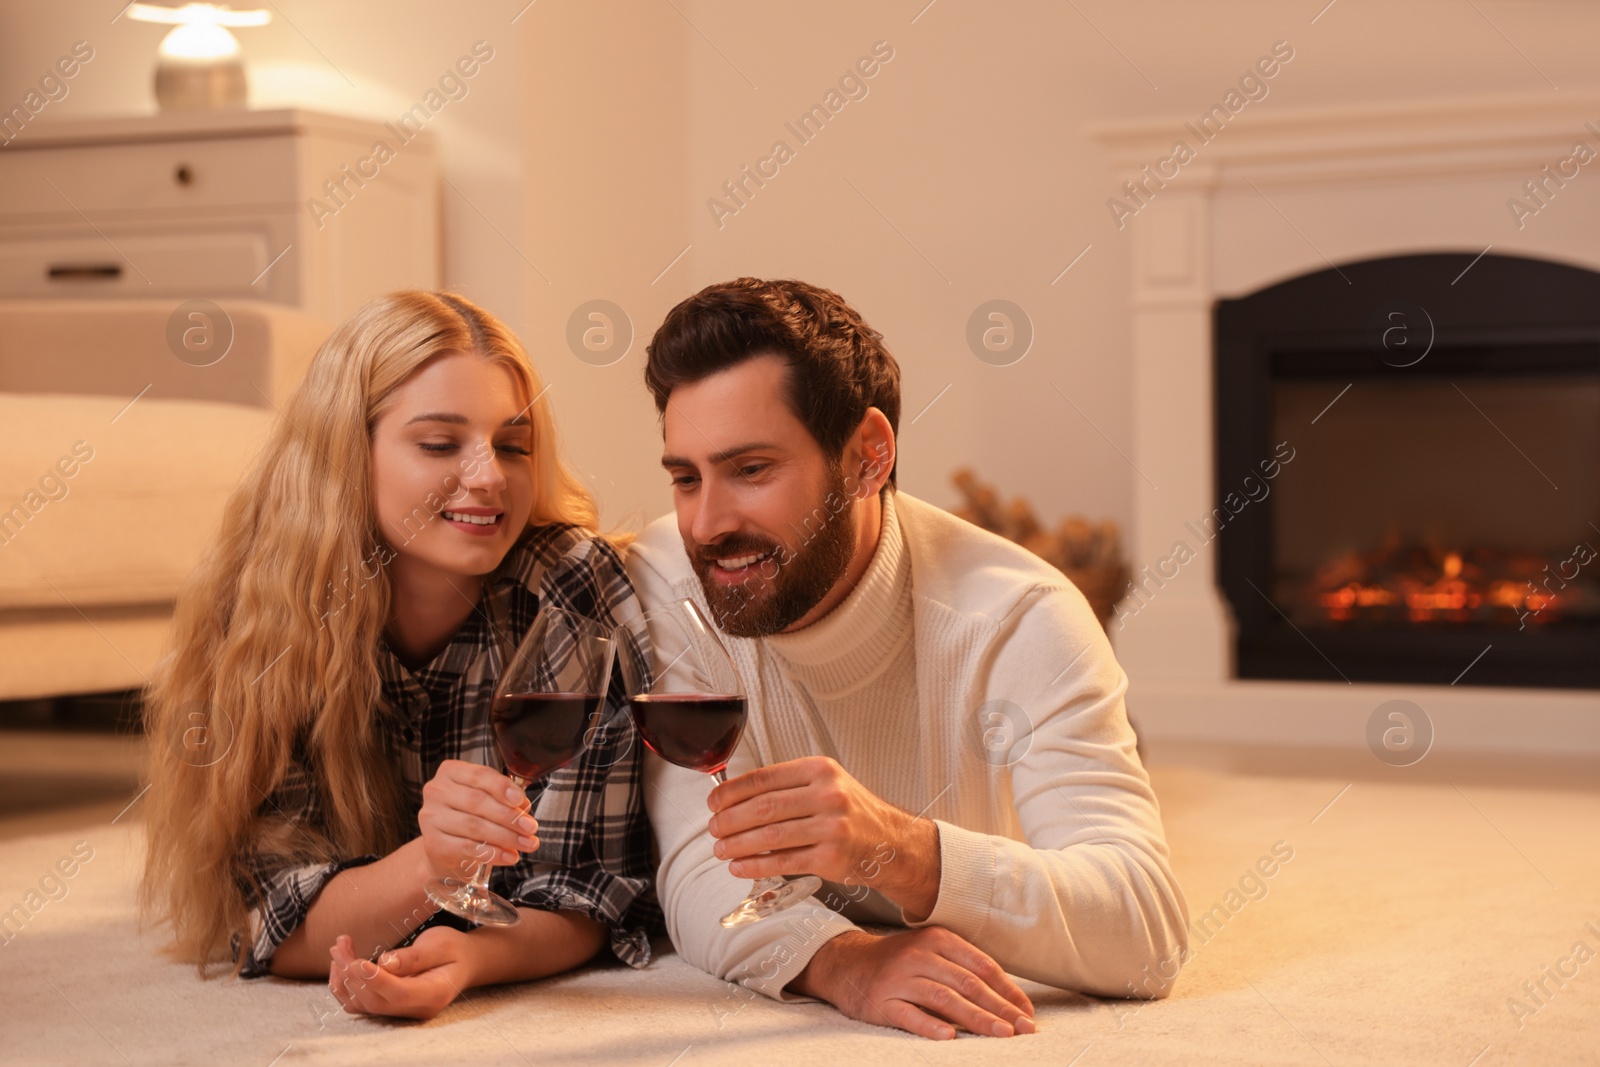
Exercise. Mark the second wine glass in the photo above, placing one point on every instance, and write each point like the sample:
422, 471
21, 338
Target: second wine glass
547, 707
691, 711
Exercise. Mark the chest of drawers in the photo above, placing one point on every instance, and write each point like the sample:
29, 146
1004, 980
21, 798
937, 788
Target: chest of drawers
314, 211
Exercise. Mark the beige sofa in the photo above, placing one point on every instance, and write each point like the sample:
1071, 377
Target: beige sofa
116, 457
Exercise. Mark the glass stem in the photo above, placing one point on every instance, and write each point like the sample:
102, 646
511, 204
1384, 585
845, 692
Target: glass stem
480, 877
760, 885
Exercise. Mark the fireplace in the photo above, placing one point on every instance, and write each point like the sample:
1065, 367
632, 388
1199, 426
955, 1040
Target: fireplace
1356, 232
1408, 459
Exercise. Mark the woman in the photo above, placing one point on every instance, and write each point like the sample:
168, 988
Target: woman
319, 730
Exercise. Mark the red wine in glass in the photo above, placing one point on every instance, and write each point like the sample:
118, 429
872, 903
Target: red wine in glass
694, 730
540, 733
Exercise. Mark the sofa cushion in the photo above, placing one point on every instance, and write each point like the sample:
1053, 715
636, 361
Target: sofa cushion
115, 348
107, 502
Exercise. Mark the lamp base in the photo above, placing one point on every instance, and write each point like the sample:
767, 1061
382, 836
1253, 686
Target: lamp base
199, 87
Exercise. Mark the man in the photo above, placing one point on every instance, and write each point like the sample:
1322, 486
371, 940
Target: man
936, 718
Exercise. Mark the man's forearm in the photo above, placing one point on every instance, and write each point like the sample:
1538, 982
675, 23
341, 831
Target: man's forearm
910, 877
378, 905
820, 976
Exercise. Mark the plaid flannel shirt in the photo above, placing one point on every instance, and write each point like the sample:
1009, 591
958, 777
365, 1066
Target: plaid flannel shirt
594, 853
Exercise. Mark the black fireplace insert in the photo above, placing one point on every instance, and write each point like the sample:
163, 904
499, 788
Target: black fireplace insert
1408, 473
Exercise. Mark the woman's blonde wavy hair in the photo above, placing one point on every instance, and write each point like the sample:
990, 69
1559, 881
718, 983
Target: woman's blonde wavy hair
256, 656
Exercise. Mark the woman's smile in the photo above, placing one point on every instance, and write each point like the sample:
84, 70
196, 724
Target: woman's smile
475, 521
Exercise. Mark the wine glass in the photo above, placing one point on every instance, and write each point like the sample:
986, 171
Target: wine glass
547, 707
692, 713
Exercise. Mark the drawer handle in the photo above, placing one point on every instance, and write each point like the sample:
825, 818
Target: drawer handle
80, 272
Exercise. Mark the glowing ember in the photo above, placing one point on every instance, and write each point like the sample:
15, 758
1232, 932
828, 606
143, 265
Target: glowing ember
1418, 584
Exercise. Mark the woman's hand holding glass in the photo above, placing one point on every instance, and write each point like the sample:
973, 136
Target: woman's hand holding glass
473, 814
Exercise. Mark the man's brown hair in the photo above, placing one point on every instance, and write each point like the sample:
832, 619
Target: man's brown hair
838, 365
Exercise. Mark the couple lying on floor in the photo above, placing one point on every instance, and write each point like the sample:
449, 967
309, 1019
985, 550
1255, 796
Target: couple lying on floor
936, 719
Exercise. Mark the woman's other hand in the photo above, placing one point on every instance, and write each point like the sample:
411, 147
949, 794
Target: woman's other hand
415, 982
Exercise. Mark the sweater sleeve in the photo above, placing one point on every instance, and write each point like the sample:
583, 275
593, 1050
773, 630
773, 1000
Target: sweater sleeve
696, 890
279, 886
694, 887
1088, 900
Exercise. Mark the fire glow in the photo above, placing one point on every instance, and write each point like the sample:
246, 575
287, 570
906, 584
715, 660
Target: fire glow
1423, 585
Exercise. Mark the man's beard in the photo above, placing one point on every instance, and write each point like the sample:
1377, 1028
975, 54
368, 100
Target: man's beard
779, 593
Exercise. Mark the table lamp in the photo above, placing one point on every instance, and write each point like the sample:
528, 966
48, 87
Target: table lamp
199, 60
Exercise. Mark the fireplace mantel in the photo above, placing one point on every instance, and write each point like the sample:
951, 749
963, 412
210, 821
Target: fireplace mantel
1277, 193
1379, 140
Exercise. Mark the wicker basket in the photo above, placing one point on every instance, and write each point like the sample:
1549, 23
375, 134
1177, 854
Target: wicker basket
1089, 554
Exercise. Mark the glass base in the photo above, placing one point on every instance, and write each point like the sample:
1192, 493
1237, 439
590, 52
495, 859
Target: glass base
471, 902
770, 896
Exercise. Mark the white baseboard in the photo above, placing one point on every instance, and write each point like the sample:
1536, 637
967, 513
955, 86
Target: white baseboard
1561, 723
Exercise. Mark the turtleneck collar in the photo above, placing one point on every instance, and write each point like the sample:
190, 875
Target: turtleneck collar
850, 644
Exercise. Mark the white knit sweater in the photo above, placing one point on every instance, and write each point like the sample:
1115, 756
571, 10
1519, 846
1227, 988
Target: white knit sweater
968, 679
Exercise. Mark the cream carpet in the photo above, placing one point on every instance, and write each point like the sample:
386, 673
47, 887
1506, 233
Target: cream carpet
1401, 931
